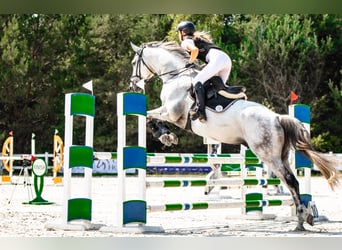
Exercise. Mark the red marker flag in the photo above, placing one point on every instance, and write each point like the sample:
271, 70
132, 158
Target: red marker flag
293, 97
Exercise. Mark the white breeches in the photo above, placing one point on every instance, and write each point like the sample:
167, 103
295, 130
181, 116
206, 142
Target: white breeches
219, 65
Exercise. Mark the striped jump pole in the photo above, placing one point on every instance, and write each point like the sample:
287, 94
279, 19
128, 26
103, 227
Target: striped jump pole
153, 158
212, 182
77, 206
218, 205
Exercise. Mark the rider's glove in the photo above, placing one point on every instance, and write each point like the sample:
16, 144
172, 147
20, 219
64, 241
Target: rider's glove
189, 65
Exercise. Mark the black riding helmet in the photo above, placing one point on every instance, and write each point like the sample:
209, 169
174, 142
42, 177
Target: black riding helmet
187, 26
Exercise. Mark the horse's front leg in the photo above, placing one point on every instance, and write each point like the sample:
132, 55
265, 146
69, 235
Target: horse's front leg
158, 114
156, 118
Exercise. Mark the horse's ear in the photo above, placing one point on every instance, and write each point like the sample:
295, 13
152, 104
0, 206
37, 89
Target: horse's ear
134, 47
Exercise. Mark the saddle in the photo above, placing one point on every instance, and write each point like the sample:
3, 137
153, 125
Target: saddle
220, 96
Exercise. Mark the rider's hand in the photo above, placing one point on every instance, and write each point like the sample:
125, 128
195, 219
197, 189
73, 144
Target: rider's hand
189, 65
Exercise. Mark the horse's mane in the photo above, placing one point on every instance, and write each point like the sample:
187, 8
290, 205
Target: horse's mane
171, 46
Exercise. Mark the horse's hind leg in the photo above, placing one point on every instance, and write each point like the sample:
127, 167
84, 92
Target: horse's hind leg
283, 171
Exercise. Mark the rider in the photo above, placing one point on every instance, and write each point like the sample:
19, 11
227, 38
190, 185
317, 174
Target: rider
199, 44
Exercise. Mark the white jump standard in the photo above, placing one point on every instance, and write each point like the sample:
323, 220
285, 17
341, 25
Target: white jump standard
132, 211
77, 211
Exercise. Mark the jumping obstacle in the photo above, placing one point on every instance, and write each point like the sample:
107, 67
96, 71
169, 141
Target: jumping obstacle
132, 213
8, 157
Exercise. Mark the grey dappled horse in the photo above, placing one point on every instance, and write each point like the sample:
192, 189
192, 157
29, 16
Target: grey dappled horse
269, 135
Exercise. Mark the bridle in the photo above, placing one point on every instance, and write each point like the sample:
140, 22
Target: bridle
141, 62
137, 77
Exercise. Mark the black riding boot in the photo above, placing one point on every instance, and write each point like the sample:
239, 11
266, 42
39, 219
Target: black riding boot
199, 110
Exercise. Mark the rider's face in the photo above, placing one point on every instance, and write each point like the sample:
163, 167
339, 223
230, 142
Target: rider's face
180, 35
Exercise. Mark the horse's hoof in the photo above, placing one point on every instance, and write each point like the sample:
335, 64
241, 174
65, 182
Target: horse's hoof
300, 228
165, 140
174, 138
310, 220
168, 139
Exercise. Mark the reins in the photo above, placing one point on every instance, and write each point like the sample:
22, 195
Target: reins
173, 73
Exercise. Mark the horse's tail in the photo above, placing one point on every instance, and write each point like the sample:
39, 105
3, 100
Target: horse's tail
299, 138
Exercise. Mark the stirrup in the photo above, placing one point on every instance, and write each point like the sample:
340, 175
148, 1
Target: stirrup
197, 114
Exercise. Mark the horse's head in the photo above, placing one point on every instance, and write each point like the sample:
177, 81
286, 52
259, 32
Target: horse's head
164, 59
141, 70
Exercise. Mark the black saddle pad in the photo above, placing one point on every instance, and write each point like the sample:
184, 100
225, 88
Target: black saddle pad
218, 103
215, 101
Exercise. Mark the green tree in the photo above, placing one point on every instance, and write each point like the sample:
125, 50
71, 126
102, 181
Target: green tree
42, 58
327, 119
326, 109
281, 53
